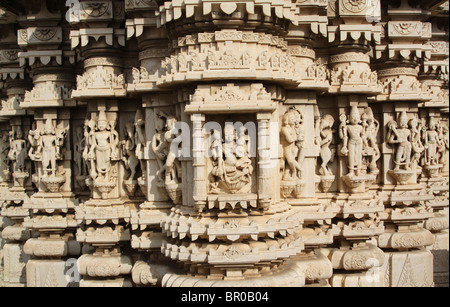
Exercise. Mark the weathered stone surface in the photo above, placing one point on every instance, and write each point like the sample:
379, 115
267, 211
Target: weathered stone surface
234, 143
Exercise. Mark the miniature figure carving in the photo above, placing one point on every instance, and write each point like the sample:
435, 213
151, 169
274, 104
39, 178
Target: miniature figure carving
444, 146
370, 146
128, 148
166, 153
417, 147
51, 144
5, 172
401, 137
232, 172
352, 136
431, 143
89, 129
18, 150
79, 147
141, 141
159, 146
292, 136
101, 150
291, 139
326, 153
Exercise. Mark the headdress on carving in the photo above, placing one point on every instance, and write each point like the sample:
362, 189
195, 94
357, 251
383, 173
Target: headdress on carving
354, 113
48, 128
403, 118
102, 116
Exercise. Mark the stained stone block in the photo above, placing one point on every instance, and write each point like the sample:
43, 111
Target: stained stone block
14, 262
440, 253
409, 269
47, 273
366, 279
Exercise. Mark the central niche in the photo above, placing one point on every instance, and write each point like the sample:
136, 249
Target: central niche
230, 149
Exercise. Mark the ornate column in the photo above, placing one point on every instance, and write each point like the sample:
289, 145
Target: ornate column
98, 33
44, 42
15, 182
154, 122
407, 202
226, 228
351, 33
304, 41
434, 77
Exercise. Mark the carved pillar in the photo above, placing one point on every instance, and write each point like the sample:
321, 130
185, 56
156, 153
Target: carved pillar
44, 40
15, 182
351, 33
13, 208
161, 175
97, 31
434, 76
200, 183
407, 202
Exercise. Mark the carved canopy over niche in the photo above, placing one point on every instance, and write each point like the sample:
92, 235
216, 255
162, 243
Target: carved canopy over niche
175, 10
231, 98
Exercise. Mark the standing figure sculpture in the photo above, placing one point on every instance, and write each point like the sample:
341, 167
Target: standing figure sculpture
445, 157
141, 141
128, 148
417, 147
431, 143
370, 147
79, 147
165, 150
18, 150
326, 138
400, 135
352, 136
443, 146
172, 166
159, 145
49, 144
101, 149
289, 137
5, 172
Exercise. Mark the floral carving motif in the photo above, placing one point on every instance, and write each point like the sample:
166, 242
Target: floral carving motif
95, 9
44, 34
355, 6
405, 28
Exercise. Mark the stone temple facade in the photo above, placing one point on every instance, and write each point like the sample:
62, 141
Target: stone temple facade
224, 143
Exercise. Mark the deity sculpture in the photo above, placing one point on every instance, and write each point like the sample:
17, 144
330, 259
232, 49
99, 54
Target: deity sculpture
326, 135
370, 146
352, 135
89, 129
159, 146
400, 135
417, 147
5, 171
101, 149
444, 146
167, 152
292, 136
231, 172
18, 150
128, 148
51, 148
431, 143
141, 140
79, 147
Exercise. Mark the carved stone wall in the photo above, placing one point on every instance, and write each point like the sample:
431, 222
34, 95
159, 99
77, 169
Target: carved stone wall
224, 143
